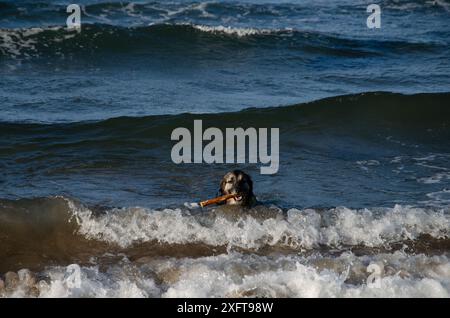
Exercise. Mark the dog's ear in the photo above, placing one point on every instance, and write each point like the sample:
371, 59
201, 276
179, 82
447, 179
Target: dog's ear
250, 182
222, 185
220, 191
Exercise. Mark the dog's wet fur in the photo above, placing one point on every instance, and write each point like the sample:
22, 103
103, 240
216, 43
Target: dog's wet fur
238, 182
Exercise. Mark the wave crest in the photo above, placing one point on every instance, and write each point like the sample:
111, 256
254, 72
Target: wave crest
240, 275
173, 38
298, 229
256, 229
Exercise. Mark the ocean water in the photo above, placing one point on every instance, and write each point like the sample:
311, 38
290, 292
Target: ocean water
91, 204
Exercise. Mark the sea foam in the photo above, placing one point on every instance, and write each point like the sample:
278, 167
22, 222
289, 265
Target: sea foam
246, 275
296, 228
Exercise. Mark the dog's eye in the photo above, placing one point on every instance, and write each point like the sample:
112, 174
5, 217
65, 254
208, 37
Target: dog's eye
229, 181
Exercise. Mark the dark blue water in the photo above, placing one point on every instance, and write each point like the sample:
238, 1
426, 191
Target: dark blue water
145, 58
157, 58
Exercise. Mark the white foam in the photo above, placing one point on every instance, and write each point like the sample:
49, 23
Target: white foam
296, 277
248, 275
76, 281
300, 229
20, 42
435, 178
439, 198
202, 7
364, 164
437, 164
411, 6
13, 42
240, 32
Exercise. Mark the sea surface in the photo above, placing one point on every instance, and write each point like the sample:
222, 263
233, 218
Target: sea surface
91, 204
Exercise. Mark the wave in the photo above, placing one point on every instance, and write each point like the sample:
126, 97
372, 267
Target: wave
154, 10
61, 248
422, 116
240, 275
377, 135
414, 6
385, 142
58, 230
187, 38
295, 229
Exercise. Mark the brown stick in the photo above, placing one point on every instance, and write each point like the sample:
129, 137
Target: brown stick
217, 200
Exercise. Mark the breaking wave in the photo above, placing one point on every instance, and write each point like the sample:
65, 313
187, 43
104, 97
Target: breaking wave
187, 39
52, 226
238, 275
70, 250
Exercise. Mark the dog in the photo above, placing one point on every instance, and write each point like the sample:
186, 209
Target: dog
240, 183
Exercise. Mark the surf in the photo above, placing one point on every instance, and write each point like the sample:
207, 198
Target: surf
59, 231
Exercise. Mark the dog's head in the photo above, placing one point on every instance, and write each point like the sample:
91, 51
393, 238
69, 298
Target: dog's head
238, 182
